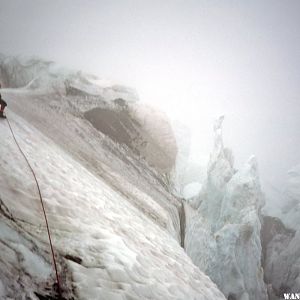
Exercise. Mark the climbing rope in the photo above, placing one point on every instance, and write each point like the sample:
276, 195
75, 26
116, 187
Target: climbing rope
42, 203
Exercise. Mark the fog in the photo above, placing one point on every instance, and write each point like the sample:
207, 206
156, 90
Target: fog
193, 59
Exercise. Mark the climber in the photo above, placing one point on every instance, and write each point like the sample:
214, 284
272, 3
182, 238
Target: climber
2, 107
3, 104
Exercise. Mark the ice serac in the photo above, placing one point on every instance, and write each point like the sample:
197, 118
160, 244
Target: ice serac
223, 225
114, 224
187, 174
183, 138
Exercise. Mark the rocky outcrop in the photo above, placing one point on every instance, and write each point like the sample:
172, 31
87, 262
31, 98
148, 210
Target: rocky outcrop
144, 130
223, 225
281, 242
279, 262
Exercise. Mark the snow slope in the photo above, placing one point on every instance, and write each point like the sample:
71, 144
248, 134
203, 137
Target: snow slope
115, 226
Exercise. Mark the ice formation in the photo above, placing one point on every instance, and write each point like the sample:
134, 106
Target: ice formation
114, 224
178, 174
223, 225
47, 77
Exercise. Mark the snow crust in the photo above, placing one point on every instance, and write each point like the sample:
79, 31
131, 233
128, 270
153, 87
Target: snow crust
21, 259
223, 225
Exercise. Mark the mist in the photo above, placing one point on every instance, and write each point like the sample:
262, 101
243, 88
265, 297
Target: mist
195, 60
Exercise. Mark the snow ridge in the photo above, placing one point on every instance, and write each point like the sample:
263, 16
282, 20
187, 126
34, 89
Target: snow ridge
42, 76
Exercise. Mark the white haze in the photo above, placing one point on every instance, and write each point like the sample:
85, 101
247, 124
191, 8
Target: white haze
194, 59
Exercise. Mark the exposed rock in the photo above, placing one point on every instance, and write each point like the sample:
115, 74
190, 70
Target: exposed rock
278, 267
145, 131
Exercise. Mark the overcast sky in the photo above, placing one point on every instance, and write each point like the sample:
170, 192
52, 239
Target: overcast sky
194, 59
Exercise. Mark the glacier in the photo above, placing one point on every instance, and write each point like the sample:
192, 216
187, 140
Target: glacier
115, 226
131, 216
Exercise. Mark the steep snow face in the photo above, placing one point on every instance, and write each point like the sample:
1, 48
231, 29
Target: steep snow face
46, 76
115, 227
223, 225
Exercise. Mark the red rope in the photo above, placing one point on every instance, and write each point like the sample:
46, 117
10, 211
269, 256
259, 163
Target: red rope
43, 207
